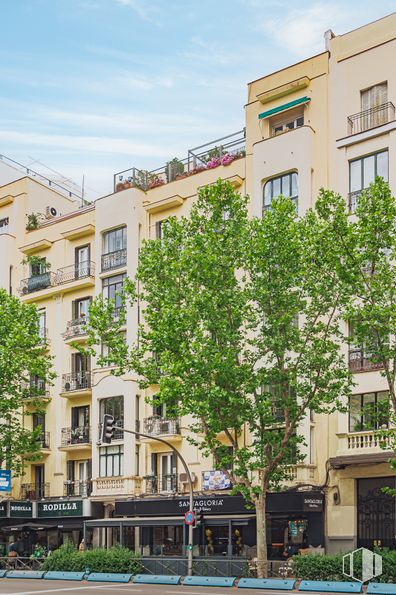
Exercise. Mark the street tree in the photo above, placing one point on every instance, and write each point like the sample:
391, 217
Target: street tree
240, 332
25, 368
364, 244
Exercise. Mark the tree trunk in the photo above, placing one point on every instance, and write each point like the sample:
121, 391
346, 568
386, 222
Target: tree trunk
261, 535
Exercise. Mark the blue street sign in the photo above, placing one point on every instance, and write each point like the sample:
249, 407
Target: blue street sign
5, 481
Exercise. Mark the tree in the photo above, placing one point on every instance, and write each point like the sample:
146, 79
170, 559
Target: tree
364, 246
241, 331
25, 367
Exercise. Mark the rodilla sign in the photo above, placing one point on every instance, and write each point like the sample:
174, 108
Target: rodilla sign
5, 481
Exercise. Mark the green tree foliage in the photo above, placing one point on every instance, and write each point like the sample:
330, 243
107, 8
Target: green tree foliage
240, 332
25, 367
364, 245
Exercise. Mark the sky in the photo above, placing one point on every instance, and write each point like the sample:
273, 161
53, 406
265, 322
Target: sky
93, 87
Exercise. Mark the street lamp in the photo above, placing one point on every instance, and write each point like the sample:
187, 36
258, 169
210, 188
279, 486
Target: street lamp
108, 428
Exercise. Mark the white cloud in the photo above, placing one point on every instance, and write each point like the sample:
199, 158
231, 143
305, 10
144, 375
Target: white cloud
301, 30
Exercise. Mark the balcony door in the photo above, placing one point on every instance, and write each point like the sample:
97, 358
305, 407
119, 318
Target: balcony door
80, 417
374, 99
82, 258
84, 476
39, 481
167, 465
42, 324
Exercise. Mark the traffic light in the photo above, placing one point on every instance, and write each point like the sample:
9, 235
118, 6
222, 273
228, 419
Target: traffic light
199, 518
107, 429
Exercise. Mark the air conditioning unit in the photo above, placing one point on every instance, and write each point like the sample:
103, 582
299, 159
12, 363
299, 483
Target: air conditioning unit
50, 212
183, 477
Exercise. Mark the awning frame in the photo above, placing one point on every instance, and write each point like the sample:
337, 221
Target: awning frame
284, 107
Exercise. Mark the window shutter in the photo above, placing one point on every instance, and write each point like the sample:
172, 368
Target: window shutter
74, 417
73, 363
89, 468
154, 461
158, 229
173, 463
74, 309
70, 470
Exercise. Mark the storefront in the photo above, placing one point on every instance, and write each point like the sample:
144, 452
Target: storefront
48, 523
155, 526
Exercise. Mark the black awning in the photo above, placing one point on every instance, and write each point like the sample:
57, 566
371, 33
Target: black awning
29, 527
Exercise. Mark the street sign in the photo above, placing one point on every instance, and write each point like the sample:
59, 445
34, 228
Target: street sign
5, 481
189, 517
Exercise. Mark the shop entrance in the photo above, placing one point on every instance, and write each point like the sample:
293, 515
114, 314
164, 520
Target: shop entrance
375, 513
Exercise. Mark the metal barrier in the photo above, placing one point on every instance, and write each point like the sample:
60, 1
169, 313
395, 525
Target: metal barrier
201, 566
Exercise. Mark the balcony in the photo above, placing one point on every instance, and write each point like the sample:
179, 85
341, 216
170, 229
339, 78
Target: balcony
75, 329
221, 151
160, 426
35, 491
36, 389
75, 272
75, 437
365, 447
353, 198
82, 489
359, 362
76, 384
371, 118
117, 486
159, 484
114, 260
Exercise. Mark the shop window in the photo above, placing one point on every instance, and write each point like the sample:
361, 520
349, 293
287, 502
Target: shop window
362, 173
286, 185
111, 460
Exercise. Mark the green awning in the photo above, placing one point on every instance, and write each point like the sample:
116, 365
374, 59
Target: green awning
285, 106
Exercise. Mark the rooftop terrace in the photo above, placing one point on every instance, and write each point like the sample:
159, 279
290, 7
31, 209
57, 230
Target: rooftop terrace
221, 151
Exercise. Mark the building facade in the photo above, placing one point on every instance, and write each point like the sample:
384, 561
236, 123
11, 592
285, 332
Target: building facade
327, 121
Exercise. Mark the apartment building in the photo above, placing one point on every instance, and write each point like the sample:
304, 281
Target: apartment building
327, 121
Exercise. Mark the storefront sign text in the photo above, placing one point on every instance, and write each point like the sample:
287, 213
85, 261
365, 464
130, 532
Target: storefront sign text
60, 509
21, 509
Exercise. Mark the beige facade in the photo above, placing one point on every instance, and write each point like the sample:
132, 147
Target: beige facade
327, 121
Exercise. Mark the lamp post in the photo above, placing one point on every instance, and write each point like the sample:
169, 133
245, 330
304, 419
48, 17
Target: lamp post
190, 484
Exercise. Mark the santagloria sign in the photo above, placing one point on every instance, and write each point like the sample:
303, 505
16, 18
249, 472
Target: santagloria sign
60, 509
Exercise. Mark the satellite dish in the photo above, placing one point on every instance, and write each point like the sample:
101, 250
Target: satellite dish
53, 212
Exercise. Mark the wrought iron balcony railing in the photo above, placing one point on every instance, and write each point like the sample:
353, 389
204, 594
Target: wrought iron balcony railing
353, 198
156, 484
76, 435
114, 260
360, 362
61, 276
76, 381
82, 488
35, 491
157, 425
75, 271
76, 327
371, 118
37, 282
36, 388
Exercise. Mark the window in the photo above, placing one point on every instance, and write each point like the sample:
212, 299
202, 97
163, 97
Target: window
159, 228
42, 324
374, 97
4, 225
112, 288
82, 259
368, 411
287, 124
362, 173
111, 461
114, 240
113, 406
286, 185
80, 308
38, 267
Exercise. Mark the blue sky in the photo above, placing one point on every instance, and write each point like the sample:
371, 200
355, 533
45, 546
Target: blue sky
96, 86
